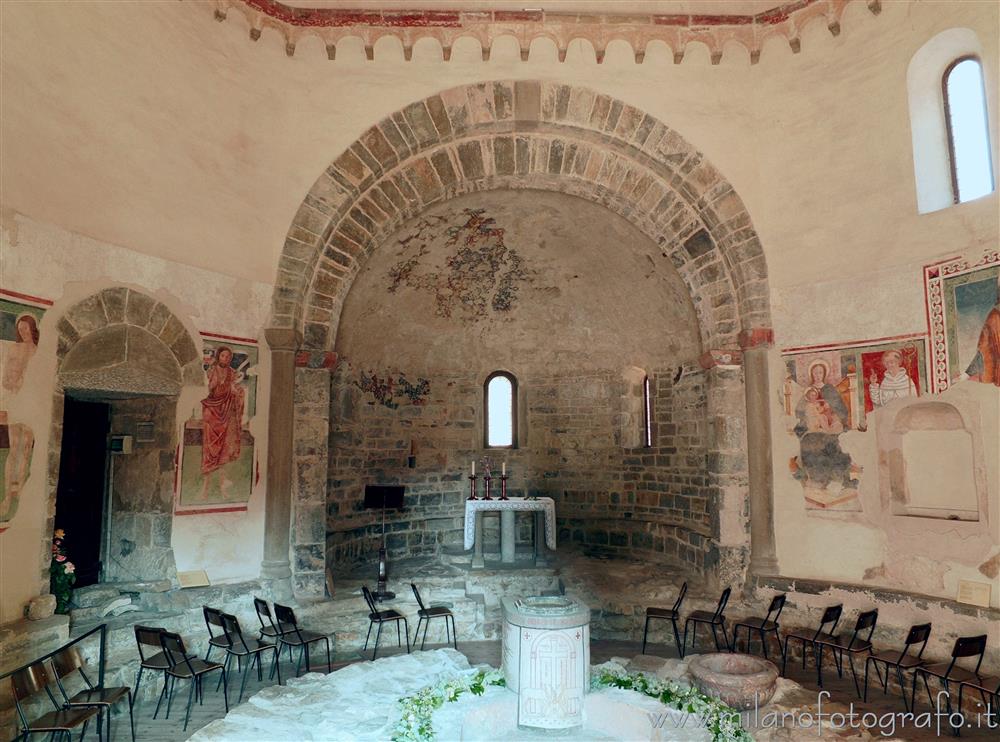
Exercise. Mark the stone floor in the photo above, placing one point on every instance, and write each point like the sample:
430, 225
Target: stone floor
488, 652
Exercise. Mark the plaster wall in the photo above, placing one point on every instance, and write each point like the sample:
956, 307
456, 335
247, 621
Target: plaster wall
46, 261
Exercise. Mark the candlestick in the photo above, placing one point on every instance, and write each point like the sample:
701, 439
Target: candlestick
503, 487
473, 467
472, 487
503, 469
487, 480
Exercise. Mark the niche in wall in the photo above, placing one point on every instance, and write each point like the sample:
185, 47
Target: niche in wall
931, 458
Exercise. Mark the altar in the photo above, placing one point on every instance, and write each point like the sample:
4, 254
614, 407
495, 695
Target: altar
544, 510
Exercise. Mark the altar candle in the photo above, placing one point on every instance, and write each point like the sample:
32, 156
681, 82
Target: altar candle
473, 467
503, 469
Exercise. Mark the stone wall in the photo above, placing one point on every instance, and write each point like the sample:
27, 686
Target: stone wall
652, 502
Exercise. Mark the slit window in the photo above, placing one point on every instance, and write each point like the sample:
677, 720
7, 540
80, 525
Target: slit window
500, 410
647, 417
968, 130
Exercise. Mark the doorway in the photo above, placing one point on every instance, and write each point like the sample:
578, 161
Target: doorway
82, 488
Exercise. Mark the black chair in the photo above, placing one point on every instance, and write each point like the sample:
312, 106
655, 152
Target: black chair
375, 616
70, 660
952, 672
213, 617
30, 682
987, 686
151, 656
899, 661
242, 647
426, 614
763, 626
268, 627
182, 666
667, 614
298, 637
855, 645
715, 619
827, 625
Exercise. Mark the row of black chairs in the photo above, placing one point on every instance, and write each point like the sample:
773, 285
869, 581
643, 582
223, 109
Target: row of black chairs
859, 642
425, 613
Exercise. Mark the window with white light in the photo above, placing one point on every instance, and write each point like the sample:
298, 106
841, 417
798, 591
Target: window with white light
968, 130
647, 404
500, 407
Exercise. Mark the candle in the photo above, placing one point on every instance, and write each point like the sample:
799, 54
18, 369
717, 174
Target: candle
503, 469
473, 467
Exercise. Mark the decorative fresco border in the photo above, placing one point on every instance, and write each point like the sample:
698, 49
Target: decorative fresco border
940, 372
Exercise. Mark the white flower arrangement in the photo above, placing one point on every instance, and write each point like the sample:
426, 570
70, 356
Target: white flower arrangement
723, 722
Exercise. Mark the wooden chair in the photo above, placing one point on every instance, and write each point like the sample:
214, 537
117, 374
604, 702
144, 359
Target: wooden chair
30, 682
987, 686
667, 614
899, 661
151, 656
240, 646
181, 666
952, 672
715, 619
855, 645
375, 616
426, 614
827, 625
763, 626
298, 637
213, 617
69, 661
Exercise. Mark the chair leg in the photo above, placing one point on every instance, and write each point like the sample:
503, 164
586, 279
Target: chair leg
406, 627
715, 636
138, 680
645, 635
187, 715
308, 668
368, 636
416, 635
725, 635
399, 639
902, 686
329, 665
818, 651
784, 655
209, 652
225, 689
170, 695
447, 631
684, 645
677, 638
424, 640
454, 632
243, 684
378, 635
854, 674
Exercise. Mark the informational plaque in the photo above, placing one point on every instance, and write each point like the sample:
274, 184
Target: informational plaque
974, 593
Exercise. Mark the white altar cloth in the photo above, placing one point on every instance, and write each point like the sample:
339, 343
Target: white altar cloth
516, 504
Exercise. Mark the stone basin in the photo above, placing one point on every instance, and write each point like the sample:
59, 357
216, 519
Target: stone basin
738, 680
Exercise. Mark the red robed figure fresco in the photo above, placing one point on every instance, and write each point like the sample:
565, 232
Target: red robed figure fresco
221, 413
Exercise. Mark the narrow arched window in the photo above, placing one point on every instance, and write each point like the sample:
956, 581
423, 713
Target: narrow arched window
647, 406
500, 410
968, 129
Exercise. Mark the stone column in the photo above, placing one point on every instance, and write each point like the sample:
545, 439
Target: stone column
756, 344
508, 536
280, 424
478, 562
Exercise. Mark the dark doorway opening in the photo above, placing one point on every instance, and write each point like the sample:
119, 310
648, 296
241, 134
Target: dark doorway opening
80, 494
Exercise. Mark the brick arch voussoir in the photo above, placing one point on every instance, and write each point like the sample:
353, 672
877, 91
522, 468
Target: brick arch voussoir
418, 155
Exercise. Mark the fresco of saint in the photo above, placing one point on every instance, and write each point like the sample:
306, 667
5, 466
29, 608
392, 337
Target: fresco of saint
19, 352
896, 382
222, 416
985, 367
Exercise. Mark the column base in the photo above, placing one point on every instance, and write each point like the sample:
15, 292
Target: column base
764, 565
478, 562
275, 570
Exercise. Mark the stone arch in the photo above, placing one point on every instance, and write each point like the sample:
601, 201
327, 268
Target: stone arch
119, 343
524, 134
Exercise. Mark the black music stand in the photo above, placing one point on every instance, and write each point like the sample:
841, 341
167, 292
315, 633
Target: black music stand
383, 496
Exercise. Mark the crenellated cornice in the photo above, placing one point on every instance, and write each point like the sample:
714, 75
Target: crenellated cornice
333, 25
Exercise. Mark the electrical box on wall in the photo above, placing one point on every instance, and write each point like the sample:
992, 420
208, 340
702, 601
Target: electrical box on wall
120, 444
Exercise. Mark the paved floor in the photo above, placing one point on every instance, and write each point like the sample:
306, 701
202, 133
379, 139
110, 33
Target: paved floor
170, 730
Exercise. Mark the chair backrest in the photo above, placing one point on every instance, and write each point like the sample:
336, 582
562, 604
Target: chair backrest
723, 599
918, 634
65, 663
285, 617
263, 612
368, 598
148, 637
969, 646
174, 650
213, 617
776, 607
27, 683
680, 597
234, 634
866, 620
831, 615
416, 594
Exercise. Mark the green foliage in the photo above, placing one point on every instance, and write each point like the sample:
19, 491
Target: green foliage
62, 572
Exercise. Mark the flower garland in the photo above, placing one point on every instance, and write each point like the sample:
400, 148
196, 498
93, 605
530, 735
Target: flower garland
415, 723
723, 722
62, 572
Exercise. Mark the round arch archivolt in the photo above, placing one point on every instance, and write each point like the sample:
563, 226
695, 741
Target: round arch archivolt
524, 134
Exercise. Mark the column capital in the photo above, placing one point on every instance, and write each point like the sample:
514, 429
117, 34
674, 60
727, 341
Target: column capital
756, 337
283, 338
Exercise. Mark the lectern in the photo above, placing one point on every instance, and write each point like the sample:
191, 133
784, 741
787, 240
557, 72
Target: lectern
383, 496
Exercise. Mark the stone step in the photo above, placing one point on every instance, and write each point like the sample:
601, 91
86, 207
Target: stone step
95, 596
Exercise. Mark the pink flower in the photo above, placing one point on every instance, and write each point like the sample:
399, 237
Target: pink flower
60, 558
69, 568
